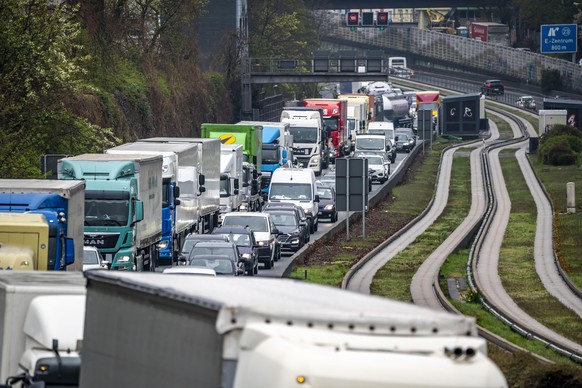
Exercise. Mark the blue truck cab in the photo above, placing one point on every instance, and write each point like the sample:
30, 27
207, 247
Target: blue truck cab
62, 205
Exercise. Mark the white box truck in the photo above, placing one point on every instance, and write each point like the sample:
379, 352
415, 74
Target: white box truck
241, 333
550, 117
41, 325
209, 177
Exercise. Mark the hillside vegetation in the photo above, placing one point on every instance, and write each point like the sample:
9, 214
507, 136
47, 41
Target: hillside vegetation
82, 76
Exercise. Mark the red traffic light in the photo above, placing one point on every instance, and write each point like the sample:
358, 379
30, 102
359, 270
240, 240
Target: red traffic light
382, 18
352, 18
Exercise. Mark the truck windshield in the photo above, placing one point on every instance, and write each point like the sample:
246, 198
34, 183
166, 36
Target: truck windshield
102, 212
270, 156
370, 144
224, 189
290, 191
304, 134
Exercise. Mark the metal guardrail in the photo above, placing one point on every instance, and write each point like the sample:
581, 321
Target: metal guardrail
321, 65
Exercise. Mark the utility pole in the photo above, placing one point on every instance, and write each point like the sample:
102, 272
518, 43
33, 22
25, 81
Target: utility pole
246, 90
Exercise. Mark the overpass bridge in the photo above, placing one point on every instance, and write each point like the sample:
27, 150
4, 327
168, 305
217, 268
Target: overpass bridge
365, 4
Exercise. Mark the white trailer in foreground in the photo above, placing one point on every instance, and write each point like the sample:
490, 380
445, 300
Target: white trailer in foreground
270, 333
41, 325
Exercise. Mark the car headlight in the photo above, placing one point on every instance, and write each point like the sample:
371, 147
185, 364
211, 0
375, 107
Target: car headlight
123, 259
243, 206
315, 160
294, 240
263, 243
246, 256
163, 244
329, 207
307, 211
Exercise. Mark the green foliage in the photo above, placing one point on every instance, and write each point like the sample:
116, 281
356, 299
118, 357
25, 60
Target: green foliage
551, 80
561, 146
42, 65
280, 28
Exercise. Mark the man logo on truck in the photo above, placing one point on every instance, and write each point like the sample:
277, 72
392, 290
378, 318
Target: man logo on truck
227, 138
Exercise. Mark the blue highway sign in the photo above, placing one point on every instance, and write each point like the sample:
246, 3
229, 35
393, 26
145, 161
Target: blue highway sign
559, 38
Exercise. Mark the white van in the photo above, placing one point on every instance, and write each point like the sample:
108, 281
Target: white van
296, 185
387, 127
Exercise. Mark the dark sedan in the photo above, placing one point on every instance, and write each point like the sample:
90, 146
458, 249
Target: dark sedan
327, 207
223, 265
244, 238
292, 234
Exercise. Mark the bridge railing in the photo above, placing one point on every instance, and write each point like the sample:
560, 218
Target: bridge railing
320, 64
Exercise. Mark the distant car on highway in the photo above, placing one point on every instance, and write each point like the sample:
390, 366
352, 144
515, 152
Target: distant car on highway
526, 102
248, 248
221, 264
193, 238
190, 270
300, 213
92, 259
493, 87
327, 207
265, 233
292, 232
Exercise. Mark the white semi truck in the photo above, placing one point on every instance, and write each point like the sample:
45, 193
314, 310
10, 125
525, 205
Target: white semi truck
231, 177
208, 170
240, 333
41, 326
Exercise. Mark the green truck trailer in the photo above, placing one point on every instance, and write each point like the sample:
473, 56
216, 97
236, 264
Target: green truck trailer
251, 138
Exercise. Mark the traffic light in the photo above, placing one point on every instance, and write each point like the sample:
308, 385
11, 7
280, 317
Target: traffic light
368, 19
352, 20
382, 20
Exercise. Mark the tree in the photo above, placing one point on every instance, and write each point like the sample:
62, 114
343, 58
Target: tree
41, 67
280, 28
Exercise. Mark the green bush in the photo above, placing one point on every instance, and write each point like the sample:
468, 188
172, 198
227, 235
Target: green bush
560, 129
561, 145
557, 153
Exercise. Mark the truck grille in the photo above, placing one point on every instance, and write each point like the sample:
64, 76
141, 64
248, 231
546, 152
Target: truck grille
101, 240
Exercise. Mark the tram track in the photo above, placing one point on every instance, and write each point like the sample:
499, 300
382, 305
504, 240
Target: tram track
425, 288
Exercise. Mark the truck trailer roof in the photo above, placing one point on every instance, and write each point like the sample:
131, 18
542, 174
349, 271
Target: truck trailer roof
239, 301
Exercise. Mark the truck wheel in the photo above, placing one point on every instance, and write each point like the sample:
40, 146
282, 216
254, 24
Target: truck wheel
316, 226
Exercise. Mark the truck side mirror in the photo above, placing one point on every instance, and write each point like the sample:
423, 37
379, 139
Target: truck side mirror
255, 174
69, 251
201, 180
176, 191
316, 198
138, 211
236, 183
